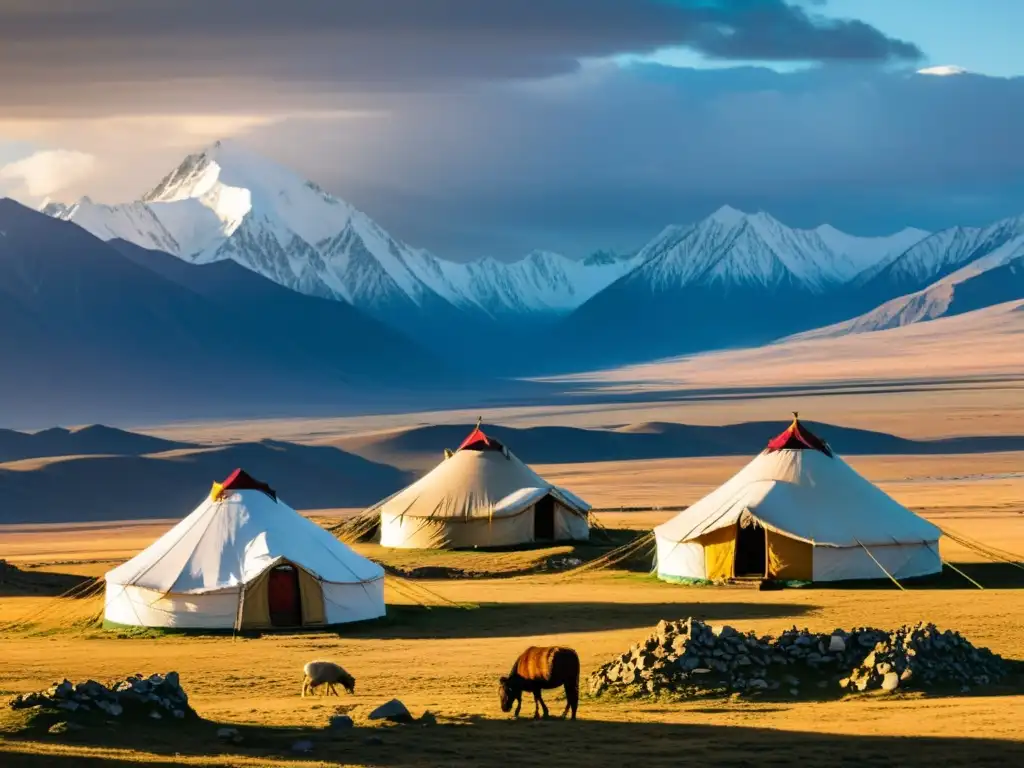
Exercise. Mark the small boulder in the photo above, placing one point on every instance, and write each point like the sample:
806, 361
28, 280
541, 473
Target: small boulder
302, 746
393, 710
340, 723
890, 681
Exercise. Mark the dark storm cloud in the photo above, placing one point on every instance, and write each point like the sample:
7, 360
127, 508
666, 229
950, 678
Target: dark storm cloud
610, 157
50, 51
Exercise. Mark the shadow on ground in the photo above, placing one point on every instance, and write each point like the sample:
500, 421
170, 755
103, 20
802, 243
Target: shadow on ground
511, 562
22, 582
498, 743
447, 622
527, 619
988, 575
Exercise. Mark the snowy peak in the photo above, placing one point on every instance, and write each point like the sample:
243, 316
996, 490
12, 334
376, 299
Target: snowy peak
939, 255
193, 178
732, 246
727, 216
225, 202
232, 182
995, 278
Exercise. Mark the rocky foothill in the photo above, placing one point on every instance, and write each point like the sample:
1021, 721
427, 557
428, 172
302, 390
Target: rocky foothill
154, 698
690, 658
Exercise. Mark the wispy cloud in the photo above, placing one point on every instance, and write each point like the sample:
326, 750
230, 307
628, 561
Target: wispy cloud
45, 173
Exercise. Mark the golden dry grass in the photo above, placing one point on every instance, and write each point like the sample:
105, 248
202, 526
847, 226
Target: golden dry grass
446, 660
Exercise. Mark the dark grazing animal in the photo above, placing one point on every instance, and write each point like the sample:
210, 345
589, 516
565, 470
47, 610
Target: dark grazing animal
538, 669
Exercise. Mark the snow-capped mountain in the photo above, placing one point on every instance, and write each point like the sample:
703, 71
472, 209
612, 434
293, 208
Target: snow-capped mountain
732, 247
227, 203
991, 271
144, 335
934, 258
733, 278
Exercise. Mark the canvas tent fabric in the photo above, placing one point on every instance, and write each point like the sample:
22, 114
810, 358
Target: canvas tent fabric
481, 495
797, 511
215, 569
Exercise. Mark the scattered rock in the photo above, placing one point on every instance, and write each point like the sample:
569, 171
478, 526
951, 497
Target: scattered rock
154, 698
227, 734
890, 681
926, 657
341, 723
690, 658
428, 718
394, 710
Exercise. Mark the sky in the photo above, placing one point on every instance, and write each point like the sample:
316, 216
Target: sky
493, 128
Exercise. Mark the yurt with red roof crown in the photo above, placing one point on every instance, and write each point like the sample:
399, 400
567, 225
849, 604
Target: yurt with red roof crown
797, 512
244, 559
481, 495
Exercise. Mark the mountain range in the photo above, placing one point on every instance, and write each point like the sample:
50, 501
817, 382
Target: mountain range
227, 203
231, 251
953, 272
111, 330
733, 279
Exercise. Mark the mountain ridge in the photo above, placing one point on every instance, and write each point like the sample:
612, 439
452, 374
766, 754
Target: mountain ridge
224, 202
143, 333
731, 279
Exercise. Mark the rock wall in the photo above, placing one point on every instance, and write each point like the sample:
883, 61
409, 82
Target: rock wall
689, 657
153, 698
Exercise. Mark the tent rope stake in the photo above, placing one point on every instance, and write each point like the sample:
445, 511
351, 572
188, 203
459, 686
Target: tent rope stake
615, 556
894, 581
954, 568
989, 552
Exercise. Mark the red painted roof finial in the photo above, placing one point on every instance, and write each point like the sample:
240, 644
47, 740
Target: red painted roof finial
478, 441
798, 437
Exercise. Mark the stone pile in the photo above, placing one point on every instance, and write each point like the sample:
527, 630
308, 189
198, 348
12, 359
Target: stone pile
926, 657
689, 657
154, 698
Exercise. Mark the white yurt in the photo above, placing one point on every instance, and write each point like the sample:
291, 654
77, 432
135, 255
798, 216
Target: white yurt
481, 496
246, 560
797, 512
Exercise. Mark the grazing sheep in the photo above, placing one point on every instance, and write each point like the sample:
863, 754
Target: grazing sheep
542, 668
317, 673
